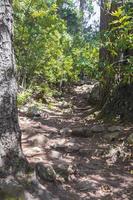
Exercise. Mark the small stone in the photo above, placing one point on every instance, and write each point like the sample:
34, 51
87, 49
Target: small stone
55, 154
64, 105
37, 149
77, 132
32, 151
45, 172
65, 131
37, 140
63, 169
115, 129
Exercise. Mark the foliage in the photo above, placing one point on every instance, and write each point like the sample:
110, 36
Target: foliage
119, 44
41, 40
47, 51
68, 12
23, 97
85, 56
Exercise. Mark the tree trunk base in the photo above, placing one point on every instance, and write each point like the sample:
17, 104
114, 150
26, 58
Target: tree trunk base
120, 103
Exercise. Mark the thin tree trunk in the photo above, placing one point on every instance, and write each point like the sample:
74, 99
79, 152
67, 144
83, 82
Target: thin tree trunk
10, 135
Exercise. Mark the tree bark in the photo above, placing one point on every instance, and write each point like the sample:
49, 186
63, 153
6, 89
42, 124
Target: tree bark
10, 134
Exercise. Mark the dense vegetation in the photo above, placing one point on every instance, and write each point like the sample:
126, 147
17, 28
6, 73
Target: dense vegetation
71, 137
48, 48
54, 45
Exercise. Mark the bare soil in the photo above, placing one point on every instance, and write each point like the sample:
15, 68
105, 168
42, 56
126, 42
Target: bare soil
91, 171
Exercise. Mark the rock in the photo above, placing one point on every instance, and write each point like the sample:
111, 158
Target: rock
63, 170
34, 111
112, 136
83, 89
68, 146
37, 191
85, 186
81, 132
65, 131
91, 91
98, 128
55, 154
11, 187
130, 138
64, 105
36, 149
72, 148
59, 147
94, 95
33, 151
37, 140
29, 196
68, 111
78, 132
45, 172
115, 129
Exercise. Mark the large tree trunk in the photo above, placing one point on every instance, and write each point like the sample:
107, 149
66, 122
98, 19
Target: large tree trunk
10, 135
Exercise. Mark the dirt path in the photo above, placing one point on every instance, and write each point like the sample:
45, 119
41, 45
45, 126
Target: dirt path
94, 167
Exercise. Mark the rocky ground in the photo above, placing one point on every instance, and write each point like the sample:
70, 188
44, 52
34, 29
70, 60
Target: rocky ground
80, 158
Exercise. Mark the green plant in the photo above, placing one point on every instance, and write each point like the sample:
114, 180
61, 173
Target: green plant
119, 43
23, 97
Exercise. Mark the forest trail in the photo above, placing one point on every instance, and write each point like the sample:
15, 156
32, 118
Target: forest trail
95, 165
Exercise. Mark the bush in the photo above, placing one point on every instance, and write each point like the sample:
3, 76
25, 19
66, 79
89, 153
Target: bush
23, 97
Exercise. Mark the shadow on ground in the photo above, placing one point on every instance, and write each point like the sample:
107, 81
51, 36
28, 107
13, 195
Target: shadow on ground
86, 171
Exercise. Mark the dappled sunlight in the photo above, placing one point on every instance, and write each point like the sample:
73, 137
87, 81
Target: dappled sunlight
68, 133
80, 163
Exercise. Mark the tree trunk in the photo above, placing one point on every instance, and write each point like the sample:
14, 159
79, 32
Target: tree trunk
10, 135
105, 57
83, 8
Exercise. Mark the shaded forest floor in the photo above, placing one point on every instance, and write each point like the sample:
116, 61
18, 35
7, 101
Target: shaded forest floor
94, 166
